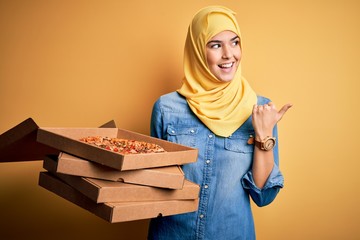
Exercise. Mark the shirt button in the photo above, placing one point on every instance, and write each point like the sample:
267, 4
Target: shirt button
201, 216
206, 186
207, 161
192, 131
172, 131
210, 136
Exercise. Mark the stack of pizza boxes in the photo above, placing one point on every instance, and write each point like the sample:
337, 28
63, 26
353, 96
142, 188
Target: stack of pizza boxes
116, 187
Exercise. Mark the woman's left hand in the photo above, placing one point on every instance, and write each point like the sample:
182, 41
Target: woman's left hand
265, 117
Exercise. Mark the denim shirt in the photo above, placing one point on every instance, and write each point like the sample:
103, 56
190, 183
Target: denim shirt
223, 171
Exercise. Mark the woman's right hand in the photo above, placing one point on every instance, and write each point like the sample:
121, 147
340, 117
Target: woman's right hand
265, 117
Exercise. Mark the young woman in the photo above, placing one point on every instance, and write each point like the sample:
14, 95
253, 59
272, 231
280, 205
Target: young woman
217, 112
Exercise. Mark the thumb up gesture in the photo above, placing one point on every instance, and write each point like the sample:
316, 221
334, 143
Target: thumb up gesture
265, 117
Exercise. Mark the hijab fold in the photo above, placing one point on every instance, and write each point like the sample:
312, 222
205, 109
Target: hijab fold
222, 106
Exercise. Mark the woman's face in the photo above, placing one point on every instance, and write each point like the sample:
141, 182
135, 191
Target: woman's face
223, 55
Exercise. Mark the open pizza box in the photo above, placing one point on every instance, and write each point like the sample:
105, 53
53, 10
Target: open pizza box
120, 211
19, 143
102, 191
171, 177
67, 140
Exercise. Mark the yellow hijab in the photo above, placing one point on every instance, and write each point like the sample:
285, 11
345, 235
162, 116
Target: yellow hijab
222, 106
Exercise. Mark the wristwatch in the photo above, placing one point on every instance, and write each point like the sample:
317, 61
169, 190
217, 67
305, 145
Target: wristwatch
266, 144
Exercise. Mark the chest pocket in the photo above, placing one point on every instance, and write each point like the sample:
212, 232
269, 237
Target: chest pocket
185, 135
238, 142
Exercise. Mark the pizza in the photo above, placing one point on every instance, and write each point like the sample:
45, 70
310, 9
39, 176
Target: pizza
123, 146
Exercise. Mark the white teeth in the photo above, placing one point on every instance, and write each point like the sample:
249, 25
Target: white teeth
226, 65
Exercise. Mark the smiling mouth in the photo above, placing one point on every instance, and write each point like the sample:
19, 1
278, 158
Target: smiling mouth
226, 65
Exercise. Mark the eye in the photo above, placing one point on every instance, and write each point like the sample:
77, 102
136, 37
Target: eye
235, 43
215, 46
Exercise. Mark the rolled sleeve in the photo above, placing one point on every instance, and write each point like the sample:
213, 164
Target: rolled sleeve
267, 194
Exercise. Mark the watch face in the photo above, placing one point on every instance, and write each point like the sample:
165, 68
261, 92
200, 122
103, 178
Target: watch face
269, 144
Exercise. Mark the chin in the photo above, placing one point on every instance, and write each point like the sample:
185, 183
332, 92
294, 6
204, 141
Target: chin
225, 78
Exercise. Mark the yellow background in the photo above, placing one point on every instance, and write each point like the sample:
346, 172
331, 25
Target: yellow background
82, 63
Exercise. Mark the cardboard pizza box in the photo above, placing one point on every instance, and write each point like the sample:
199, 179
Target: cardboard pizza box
19, 143
101, 191
166, 177
109, 124
67, 140
117, 212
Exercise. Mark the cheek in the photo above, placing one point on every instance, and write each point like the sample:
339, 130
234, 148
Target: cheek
210, 59
238, 54
211, 63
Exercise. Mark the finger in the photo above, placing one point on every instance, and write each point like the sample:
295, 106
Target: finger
272, 105
284, 109
267, 106
260, 108
255, 107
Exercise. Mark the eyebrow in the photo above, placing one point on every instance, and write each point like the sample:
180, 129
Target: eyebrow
218, 41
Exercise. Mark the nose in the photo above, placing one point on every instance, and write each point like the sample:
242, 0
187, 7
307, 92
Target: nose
227, 53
